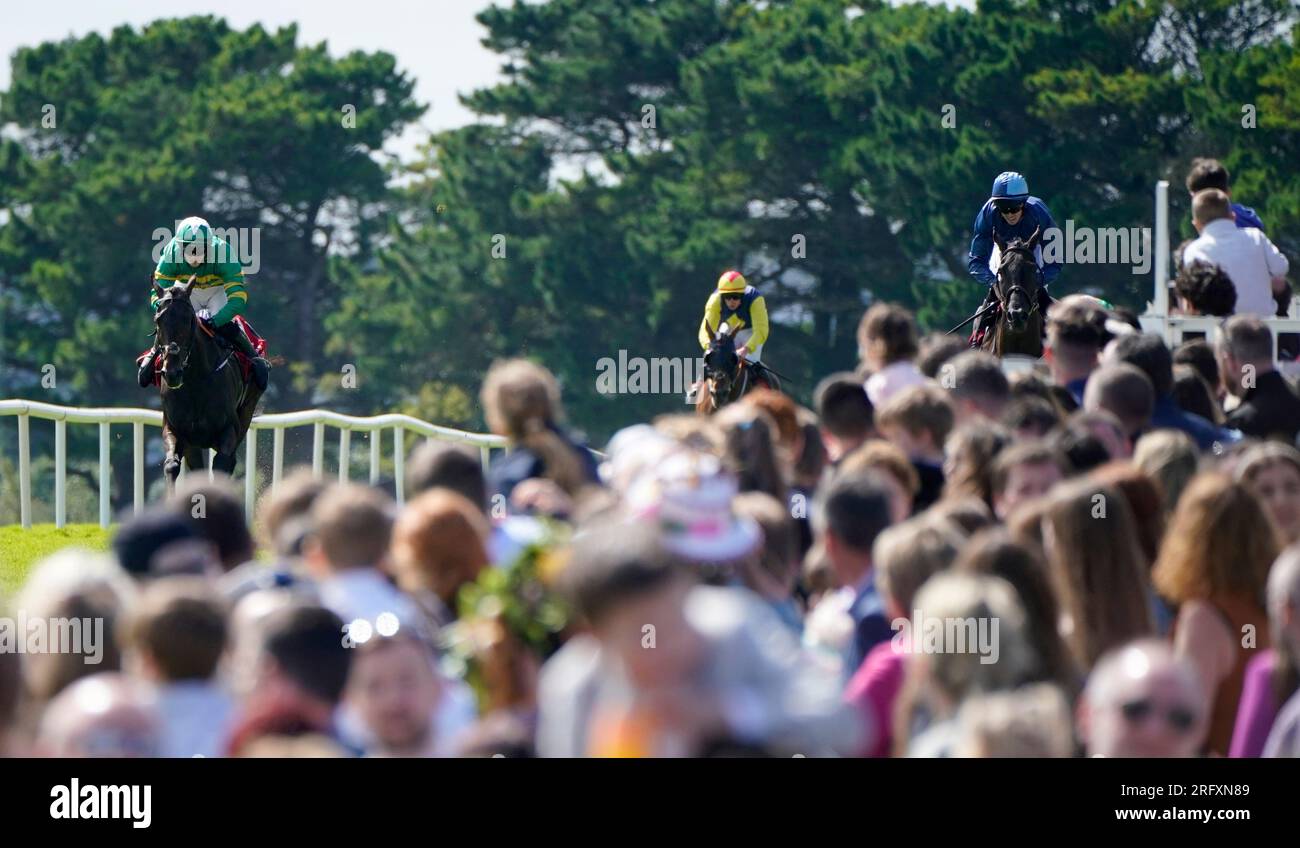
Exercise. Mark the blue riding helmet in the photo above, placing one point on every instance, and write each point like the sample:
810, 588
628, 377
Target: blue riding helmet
1010, 186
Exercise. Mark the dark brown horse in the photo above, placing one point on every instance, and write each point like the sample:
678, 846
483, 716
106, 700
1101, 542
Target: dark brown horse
726, 377
1018, 327
206, 402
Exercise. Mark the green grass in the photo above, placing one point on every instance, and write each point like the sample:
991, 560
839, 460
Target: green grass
21, 549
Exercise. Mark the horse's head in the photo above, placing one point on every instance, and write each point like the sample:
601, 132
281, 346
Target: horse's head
174, 324
1017, 280
720, 360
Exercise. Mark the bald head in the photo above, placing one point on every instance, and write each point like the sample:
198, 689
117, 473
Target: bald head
1124, 391
1142, 701
104, 715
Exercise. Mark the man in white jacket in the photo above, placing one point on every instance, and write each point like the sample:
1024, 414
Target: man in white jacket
1253, 263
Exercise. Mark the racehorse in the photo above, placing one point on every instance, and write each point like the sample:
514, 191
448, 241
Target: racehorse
206, 402
1019, 321
726, 378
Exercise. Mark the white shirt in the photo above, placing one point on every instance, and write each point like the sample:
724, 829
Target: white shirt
1249, 259
891, 380
196, 718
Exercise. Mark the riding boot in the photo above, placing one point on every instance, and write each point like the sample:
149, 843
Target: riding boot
984, 323
261, 368
145, 375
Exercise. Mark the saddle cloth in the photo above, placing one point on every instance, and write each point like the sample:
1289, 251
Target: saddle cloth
245, 364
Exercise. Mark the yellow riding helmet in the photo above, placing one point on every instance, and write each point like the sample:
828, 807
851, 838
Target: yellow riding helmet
731, 282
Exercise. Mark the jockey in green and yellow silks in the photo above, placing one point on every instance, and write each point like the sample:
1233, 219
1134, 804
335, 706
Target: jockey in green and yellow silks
219, 292
740, 305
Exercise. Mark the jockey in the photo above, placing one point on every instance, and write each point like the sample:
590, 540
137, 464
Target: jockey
741, 306
1010, 212
218, 289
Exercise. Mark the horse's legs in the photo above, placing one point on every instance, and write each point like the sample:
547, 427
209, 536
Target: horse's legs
196, 459
172, 457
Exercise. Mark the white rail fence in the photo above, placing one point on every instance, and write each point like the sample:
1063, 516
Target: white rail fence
277, 423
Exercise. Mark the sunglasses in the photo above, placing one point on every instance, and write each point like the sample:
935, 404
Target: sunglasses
1179, 718
1009, 208
730, 297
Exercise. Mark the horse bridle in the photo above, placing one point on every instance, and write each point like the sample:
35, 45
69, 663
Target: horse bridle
173, 349
1017, 286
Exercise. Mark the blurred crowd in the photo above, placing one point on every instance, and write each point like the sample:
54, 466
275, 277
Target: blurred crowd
1095, 556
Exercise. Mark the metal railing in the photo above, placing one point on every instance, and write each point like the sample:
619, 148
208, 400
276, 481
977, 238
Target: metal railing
319, 419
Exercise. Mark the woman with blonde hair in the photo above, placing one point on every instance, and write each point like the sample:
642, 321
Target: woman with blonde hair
521, 401
1272, 470
1096, 567
1214, 564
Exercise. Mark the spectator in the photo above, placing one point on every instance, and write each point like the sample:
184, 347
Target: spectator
1269, 408
894, 468
103, 715
285, 515
521, 401
215, 509
848, 516
1108, 429
439, 544
996, 554
1197, 354
846, 413
1024, 472
1255, 266
1203, 289
1209, 173
1082, 450
1031, 722
1272, 471
603, 694
89, 590
1148, 352
348, 554
451, 466
887, 340
905, 556
938, 683
978, 387
772, 571
970, 514
394, 692
1095, 565
1142, 701
1192, 394
141, 538
1076, 333
299, 676
1214, 565
174, 638
1125, 392
917, 420
1170, 458
1273, 676
1031, 418
937, 349
751, 451
1033, 385
1144, 498
969, 453
785, 416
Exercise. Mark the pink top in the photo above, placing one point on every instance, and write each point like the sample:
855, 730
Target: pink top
1257, 708
873, 689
